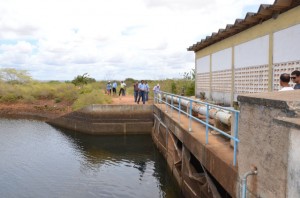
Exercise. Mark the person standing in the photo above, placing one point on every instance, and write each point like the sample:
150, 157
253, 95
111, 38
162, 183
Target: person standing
295, 76
122, 89
146, 91
284, 82
156, 89
136, 91
142, 88
108, 88
114, 88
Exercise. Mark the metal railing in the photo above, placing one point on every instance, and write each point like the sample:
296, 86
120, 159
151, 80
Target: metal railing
162, 98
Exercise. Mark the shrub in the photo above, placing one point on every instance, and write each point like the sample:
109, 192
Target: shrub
81, 80
28, 99
190, 91
94, 97
173, 87
10, 97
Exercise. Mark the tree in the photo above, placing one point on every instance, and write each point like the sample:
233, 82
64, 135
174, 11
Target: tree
82, 80
189, 75
189, 88
11, 75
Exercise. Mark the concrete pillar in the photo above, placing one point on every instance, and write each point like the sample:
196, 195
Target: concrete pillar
270, 76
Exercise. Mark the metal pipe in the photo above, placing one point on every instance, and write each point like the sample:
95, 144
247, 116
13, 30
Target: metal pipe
244, 181
215, 113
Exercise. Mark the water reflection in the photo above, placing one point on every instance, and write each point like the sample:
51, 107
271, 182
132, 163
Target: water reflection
39, 160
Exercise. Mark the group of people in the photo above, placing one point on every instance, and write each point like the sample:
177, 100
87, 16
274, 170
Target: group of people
113, 87
141, 90
285, 80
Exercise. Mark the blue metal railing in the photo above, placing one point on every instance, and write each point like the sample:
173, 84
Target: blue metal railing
158, 98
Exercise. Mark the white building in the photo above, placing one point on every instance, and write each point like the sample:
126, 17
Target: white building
250, 55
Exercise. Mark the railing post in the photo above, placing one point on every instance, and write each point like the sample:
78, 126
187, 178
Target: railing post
190, 119
207, 122
179, 109
166, 102
160, 99
236, 121
172, 103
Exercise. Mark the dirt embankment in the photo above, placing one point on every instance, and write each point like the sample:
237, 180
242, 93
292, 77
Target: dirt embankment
48, 109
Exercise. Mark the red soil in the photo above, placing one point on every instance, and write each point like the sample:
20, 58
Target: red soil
47, 109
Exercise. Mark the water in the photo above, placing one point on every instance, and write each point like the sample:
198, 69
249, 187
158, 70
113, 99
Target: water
38, 160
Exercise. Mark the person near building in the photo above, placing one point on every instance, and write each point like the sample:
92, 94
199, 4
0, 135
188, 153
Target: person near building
295, 77
142, 88
284, 82
136, 90
114, 87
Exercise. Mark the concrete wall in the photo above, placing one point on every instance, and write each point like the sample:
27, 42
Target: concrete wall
270, 142
108, 119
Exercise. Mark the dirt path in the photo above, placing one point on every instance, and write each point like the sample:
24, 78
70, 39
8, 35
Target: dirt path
128, 100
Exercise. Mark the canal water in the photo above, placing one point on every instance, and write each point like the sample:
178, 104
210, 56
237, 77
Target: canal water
38, 160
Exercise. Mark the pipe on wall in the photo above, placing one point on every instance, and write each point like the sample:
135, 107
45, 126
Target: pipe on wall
244, 181
222, 115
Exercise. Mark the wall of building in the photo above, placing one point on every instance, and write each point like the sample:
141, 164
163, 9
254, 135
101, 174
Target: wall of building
251, 61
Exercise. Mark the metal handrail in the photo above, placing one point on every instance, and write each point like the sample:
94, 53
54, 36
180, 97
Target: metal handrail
158, 97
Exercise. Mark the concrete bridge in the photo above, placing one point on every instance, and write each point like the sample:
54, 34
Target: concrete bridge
268, 163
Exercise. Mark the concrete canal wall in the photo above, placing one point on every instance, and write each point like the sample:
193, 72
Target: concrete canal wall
108, 119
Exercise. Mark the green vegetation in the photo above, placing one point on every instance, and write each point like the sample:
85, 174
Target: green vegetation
18, 86
81, 80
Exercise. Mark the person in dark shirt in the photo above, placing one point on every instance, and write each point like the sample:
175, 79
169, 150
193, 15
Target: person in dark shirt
295, 77
136, 91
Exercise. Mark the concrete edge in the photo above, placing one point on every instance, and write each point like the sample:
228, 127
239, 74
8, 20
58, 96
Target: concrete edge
290, 122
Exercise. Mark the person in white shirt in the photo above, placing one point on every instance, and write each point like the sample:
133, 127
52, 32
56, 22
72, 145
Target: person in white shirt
284, 82
156, 89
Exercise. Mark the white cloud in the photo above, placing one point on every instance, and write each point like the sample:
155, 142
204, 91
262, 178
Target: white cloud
115, 39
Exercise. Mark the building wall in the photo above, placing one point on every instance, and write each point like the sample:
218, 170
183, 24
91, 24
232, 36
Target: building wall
250, 61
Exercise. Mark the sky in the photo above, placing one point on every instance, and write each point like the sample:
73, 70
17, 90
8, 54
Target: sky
110, 39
